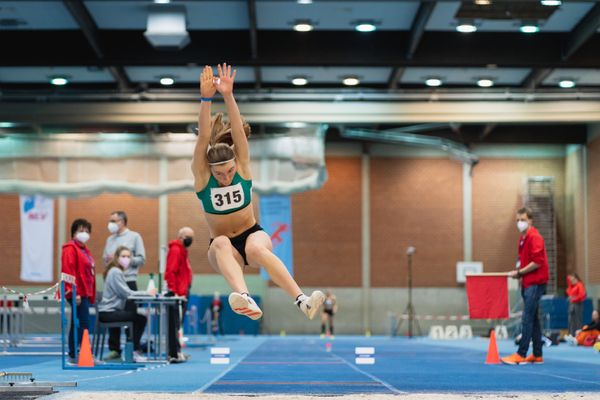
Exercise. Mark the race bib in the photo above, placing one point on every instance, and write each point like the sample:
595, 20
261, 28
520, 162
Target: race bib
227, 198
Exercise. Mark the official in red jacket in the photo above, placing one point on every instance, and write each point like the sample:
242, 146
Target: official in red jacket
77, 261
179, 271
178, 275
533, 272
576, 293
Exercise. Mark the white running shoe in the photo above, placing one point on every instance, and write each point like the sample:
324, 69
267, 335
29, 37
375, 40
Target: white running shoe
310, 305
244, 305
139, 357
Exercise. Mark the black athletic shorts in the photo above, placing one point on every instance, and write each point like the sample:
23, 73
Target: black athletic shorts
239, 241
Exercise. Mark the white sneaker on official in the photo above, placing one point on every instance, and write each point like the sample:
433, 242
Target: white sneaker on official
138, 357
243, 304
310, 305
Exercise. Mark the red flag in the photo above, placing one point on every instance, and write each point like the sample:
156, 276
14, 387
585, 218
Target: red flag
487, 296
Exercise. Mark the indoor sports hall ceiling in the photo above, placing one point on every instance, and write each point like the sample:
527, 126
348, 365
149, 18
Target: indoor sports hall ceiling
319, 50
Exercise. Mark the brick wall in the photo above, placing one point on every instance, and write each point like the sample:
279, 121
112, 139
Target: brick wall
415, 202
327, 228
594, 210
498, 188
10, 240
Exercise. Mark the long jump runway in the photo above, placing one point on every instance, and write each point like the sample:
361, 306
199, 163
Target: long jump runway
306, 365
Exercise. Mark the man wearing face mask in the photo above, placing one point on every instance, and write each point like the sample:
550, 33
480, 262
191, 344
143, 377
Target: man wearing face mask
178, 276
533, 272
123, 236
77, 261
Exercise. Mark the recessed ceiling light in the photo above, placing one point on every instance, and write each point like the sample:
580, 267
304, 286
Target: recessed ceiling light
529, 27
433, 82
295, 124
351, 81
162, 1
566, 83
466, 27
59, 80
485, 82
365, 26
552, 3
483, 2
303, 26
305, 1
167, 81
299, 81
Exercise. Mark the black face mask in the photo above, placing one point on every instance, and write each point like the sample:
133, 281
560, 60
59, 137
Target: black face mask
187, 242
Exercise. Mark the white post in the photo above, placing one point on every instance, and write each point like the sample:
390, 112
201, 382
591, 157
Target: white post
163, 208
366, 240
467, 213
61, 218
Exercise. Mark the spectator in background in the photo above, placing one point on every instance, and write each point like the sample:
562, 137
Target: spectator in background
112, 306
178, 275
576, 296
215, 312
330, 308
589, 334
533, 272
121, 235
77, 261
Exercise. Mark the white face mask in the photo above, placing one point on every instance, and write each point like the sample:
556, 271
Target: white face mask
113, 227
124, 261
522, 226
82, 236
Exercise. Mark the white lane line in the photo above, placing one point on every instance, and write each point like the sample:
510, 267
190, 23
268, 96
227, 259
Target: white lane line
128, 372
232, 366
354, 367
556, 376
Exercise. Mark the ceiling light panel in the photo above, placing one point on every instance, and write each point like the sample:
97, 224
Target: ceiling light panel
186, 75
337, 15
43, 74
464, 76
326, 75
131, 15
582, 77
445, 17
36, 15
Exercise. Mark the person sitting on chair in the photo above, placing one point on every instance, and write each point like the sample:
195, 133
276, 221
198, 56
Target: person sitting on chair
112, 305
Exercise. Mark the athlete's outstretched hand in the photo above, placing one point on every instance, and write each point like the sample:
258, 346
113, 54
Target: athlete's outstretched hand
207, 86
224, 83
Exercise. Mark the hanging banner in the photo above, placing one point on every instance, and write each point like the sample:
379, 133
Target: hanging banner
276, 220
37, 238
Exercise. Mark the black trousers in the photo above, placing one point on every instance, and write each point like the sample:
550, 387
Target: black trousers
139, 323
114, 334
175, 322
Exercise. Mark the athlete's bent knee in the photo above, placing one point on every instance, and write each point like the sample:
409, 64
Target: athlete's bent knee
221, 243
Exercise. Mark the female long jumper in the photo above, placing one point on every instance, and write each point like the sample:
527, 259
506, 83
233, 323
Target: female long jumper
223, 183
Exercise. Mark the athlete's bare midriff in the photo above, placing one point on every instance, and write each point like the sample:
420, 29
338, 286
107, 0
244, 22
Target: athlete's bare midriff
231, 225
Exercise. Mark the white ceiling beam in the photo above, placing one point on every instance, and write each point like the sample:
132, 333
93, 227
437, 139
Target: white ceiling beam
313, 112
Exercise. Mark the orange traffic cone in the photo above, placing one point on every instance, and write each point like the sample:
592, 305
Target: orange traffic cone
85, 354
492, 356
